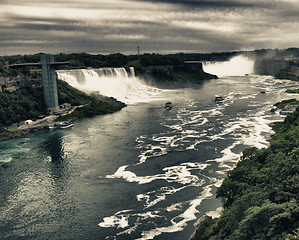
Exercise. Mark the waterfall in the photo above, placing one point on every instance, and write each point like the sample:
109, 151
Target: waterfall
111, 82
236, 66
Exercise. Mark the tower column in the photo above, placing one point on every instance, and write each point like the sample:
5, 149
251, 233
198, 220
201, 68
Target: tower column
49, 82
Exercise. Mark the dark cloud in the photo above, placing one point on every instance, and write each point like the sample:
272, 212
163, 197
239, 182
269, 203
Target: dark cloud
43, 24
205, 3
108, 26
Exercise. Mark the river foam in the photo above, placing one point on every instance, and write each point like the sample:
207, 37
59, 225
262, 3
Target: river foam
210, 139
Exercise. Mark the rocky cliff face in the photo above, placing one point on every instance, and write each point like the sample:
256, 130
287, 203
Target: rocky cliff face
174, 74
269, 66
13, 83
291, 71
285, 69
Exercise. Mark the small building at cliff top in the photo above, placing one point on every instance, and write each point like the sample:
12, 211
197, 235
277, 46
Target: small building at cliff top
288, 109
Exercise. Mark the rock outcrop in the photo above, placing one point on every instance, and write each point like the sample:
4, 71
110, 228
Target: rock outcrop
174, 74
284, 69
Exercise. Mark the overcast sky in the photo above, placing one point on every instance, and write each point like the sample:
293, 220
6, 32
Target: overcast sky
159, 26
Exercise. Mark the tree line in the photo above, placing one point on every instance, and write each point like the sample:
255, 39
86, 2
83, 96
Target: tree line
84, 60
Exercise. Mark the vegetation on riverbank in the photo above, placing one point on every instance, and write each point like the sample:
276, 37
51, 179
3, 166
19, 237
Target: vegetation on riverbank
292, 101
94, 104
68, 94
24, 103
28, 103
93, 108
296, 91
260, 196
12, 132
284, 103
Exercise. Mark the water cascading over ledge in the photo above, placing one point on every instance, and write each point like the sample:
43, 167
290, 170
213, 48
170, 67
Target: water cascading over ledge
236, 66
112, 82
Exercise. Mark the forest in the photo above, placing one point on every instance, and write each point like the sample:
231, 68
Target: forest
85, 60
260, 195
22, 104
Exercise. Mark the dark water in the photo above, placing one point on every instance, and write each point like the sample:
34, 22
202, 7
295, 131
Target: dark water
141, 173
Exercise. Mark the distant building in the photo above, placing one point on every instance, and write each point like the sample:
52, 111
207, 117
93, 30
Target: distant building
288, 109
28, 122
65, 106
62, 109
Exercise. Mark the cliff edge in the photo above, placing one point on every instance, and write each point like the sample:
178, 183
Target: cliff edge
172, 75
279, 68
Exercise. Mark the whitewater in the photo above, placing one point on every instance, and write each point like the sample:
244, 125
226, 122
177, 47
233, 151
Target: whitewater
143, 172
119, 83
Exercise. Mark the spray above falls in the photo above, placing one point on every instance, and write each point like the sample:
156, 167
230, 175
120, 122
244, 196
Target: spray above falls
236, 66
112, 82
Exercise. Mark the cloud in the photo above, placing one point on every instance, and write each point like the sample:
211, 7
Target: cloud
222, 27
106, 26
205, 3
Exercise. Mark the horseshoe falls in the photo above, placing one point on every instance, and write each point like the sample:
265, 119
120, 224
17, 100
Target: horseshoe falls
236, 66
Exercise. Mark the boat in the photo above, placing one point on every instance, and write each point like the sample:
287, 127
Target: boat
66, 124
273, 109
218, 99
168, 105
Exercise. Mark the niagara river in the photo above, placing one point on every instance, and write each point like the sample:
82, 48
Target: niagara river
141, 173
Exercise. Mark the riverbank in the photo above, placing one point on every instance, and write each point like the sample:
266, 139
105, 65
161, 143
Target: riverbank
260, 195
247, 216
9, 134
91, 109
